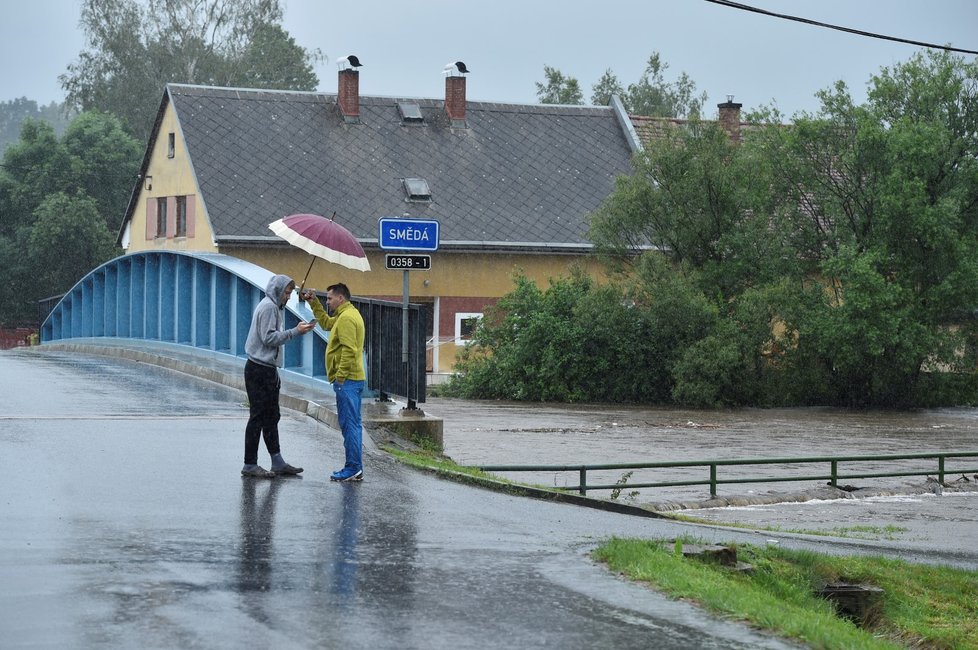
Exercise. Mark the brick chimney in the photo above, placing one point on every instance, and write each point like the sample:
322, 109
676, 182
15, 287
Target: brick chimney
349, 95
455, 99
730, 118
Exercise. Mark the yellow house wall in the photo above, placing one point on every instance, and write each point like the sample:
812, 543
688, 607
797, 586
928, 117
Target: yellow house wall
452, 275
170, 177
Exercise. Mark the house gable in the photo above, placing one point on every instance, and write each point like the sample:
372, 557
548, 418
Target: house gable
166, 210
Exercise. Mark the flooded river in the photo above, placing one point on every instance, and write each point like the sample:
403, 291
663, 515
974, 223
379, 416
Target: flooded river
507, 433
910, 511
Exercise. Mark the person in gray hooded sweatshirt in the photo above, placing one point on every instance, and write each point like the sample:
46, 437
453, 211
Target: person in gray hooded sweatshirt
265, 356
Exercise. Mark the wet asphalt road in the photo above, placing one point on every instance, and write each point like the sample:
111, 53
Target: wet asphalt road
124, 523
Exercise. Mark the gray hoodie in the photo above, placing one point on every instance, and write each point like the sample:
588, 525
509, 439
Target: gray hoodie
266, 336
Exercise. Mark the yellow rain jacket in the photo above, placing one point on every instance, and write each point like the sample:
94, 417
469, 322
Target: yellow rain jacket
344, 349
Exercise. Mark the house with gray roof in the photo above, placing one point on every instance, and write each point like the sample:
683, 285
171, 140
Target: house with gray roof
511, 186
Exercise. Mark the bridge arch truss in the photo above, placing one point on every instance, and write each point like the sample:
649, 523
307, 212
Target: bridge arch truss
201, 300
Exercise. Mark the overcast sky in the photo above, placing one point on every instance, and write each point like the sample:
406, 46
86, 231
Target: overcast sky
505, 43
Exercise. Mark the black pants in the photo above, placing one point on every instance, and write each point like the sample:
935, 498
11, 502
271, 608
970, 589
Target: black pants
262, 384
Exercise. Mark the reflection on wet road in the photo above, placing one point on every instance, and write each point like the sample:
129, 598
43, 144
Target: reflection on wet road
126, 523
257, 533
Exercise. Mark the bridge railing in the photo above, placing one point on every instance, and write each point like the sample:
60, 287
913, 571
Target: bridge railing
833, 476
206, 301
387, 370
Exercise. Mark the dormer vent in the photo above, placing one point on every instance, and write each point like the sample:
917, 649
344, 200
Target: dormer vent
417, 190
410, 113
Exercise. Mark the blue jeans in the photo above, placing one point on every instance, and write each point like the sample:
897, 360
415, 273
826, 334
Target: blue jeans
348, 395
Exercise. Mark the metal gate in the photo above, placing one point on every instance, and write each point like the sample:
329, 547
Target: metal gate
387, 371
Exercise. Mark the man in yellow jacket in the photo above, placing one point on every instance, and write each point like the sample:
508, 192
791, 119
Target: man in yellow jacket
344, 370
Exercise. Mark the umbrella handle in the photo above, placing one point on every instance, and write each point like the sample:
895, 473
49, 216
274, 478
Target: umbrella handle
303, 285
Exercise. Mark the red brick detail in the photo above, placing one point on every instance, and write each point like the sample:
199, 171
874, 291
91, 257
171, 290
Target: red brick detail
730, 119
349, 93
455, 97
14, 337
449, 306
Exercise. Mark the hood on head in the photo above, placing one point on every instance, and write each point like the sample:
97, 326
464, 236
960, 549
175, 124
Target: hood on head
276, 288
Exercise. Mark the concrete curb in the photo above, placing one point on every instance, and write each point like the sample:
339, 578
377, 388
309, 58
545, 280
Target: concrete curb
539, 493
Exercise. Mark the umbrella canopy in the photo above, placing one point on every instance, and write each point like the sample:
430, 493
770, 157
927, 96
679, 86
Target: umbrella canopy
323, 238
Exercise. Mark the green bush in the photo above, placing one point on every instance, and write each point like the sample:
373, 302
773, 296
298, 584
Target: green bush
578, 341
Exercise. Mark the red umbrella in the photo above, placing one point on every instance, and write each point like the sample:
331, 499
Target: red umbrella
323, 238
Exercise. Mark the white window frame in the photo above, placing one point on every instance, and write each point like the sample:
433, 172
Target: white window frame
459, 318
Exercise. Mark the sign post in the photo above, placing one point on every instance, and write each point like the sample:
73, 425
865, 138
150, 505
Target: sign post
406, 234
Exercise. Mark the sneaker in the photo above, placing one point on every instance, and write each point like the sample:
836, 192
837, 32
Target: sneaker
286, 469
347, 474
257, 472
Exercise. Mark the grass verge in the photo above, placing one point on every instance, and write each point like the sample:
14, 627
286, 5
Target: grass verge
433, 461
922, 606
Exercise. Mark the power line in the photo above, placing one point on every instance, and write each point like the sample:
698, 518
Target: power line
737, 5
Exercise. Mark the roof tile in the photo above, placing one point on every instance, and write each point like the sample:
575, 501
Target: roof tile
518, 174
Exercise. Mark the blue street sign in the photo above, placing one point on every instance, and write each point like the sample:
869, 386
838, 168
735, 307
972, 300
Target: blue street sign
408, 234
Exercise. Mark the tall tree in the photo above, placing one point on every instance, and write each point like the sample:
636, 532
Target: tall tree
106, 160
885, 201
61, 201
854, 232
273, 60
703, 201
136, 47
13, 113
94, 156
699, 205
652, 95
68, 239
559, 89
606, 86
34, 167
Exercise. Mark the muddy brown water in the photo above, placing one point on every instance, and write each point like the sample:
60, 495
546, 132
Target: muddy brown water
508, 433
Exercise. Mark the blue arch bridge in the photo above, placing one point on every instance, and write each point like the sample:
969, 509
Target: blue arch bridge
205, 301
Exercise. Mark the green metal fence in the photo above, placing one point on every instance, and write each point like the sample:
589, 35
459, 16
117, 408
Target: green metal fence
833, 477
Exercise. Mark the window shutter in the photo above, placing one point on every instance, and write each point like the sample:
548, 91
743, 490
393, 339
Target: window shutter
191, 214
150, 218
171, 216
